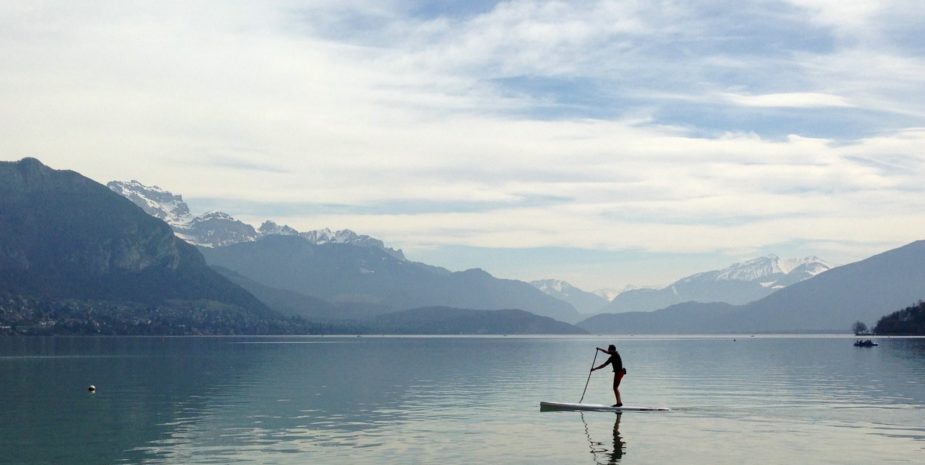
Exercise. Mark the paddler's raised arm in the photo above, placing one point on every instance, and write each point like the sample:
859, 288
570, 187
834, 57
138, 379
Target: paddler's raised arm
602, 365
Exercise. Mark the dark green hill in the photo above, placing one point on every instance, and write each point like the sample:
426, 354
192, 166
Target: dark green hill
909, 321
69, 246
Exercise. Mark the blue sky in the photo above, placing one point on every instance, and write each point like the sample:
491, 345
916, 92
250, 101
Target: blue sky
604, 142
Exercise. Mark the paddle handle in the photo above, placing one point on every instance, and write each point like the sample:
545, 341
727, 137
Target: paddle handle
589, 377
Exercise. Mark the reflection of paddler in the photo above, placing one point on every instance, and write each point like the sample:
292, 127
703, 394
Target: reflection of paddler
599, 451
618, 370
618, 445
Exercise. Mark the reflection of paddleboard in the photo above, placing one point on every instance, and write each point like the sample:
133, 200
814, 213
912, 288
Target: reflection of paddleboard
552, 406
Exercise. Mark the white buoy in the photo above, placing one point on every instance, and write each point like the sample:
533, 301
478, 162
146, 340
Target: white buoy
92, 388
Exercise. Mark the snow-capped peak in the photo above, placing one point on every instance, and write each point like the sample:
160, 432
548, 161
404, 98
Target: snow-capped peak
752, 270
769, 271
319, 236
343, 236
736, 284
155, 201
270, 228
215, 215
346, 236
216, 229
813, 265
552, 285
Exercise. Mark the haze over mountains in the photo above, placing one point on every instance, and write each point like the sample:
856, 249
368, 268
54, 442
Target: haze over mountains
77, 258
366, 272
340, 267
356, 271
831, 301
345, 273
583, 301
736, 284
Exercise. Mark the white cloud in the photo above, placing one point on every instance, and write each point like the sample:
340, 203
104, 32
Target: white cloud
789, 100
288, 104
847, 15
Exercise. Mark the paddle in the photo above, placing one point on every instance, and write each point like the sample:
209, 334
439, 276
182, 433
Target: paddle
589, 376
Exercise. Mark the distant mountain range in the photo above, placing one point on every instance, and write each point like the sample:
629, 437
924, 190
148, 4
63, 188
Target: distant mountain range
737, 284
830, 301
77, 258
218, 229
372, 318
366, 272
347, 269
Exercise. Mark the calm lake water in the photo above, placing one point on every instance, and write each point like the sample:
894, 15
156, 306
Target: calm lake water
348, 400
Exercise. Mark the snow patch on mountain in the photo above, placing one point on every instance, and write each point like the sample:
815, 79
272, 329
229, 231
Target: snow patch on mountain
218, 229
269, 228
583, 301
346, 236
552, 285
736, 284
767, 270
155, 201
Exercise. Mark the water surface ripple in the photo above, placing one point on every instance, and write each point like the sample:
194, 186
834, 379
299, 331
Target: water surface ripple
458, 400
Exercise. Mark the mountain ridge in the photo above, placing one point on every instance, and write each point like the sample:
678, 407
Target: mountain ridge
356, 268
830, 301
736, 284
218, 229
342, 273
583, 301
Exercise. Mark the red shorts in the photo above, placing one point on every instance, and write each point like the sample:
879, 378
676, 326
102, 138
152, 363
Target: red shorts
617, 377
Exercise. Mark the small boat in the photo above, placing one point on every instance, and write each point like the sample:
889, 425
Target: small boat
865, 343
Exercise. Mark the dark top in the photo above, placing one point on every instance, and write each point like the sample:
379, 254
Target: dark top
616, 362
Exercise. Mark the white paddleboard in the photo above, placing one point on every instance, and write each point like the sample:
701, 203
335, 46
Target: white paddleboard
551, 406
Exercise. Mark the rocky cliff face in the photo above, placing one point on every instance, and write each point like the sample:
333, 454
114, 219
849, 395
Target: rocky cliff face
58, 222
66, 236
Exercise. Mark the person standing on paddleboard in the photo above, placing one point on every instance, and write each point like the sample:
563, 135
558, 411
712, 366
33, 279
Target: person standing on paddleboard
618, 370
